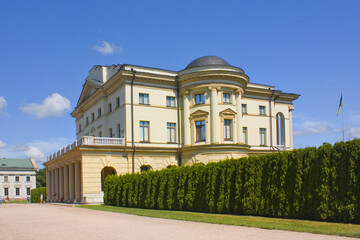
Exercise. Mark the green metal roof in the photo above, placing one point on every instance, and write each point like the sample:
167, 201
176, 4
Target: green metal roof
15, 163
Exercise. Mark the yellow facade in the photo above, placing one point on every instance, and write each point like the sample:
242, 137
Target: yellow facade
132, 118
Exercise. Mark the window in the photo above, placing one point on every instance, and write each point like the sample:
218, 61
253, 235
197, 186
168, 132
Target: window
171, 132
262, 110
28, 178
118, 131
17, 178
170, 101
87, 121
200, 98
6, 191
143, 98
109, 108
79, 127
245, 135
244, 108
227, 129
144, 131
117, 102
262, 136
92, 117
99, 112
17, 191
145, 168
226, 98
28, 191
200, 131
110, 132
100, 134
6, 178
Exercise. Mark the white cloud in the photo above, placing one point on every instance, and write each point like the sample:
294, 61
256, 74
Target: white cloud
353, 132
107, 48
54, 105
34, 152
2, 144
313, 127
3, 105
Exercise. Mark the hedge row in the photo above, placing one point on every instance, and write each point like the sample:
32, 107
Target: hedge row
35, 194
312, 183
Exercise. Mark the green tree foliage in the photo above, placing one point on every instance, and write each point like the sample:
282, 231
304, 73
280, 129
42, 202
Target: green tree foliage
41, 178
36, 193
312, 183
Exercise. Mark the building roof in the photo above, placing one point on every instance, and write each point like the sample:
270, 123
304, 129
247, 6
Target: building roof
207, 61
17, 163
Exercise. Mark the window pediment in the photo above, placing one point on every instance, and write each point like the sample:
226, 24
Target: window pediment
227, 112
199, 113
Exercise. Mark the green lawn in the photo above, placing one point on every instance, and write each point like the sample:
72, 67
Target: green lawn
341, 229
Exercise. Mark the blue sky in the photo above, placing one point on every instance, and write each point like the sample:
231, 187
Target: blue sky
47, 48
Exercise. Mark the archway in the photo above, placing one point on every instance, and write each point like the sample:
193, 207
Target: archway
280, 129
145, 168
106, 171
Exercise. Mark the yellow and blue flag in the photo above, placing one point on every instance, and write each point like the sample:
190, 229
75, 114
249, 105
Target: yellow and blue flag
340, 105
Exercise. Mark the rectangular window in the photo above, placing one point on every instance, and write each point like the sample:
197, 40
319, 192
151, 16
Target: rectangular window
110, 132
143, 98
6, 191
226, 98
6, 178
28, 191
109, 108
262, 110
100, 134
117, 102
245, 135
17, 178
79, 127
200, 131
171, 132
99, 112
118, 131
92, 117
17, 191
262, 136
244, 108
170, 101
28, 178
200, 98
87, 121
227, 129
144, 131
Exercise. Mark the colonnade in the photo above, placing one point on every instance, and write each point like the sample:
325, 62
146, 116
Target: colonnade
64, 183
214, 115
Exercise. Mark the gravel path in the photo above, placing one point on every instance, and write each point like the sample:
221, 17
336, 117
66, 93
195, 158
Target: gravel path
47, 221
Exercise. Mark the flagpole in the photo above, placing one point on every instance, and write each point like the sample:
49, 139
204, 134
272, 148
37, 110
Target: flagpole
342, 114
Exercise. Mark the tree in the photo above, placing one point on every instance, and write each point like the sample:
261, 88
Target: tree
41, 178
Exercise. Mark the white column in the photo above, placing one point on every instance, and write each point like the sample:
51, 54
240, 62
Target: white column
57, 188
239, 92
71, 182
53, 190
186, 116
291, 108
66, 183
214, 115
61, 183
78, 181
48, 185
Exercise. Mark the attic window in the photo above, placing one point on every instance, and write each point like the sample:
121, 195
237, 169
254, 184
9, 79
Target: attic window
3, 165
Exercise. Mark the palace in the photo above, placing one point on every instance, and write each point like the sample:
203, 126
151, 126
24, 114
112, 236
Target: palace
131, 119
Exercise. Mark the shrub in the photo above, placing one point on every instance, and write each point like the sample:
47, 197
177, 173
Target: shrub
36, 193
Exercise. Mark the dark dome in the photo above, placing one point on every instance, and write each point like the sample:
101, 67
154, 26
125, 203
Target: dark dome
207, 61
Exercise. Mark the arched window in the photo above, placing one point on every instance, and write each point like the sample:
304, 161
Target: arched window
145, 168
106, 171
280, 129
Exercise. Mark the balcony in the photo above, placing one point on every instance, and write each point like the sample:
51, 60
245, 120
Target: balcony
89, 140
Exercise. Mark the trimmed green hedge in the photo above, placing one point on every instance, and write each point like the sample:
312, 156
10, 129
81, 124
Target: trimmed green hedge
35, 194
312, 183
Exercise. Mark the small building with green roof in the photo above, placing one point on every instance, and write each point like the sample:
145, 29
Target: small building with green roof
17, 177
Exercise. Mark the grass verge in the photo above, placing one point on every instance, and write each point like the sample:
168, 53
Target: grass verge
341, 229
